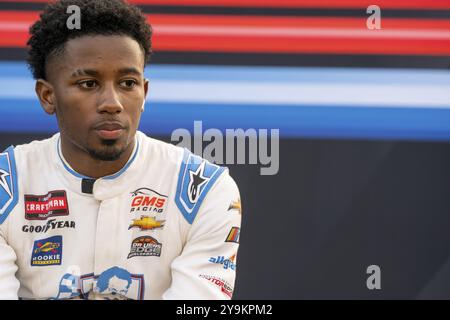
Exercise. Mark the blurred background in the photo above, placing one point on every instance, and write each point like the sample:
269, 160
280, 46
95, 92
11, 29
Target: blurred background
364, 122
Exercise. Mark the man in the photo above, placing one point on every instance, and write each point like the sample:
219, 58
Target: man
99, 210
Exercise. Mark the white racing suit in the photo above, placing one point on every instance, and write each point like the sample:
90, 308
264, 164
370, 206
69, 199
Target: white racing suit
166, 226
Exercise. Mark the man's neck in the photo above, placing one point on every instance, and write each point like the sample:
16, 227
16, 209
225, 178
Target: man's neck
83, 163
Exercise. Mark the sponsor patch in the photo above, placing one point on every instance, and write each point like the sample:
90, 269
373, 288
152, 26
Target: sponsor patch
145, 200
145, 246
233, 235
51, 224
115, 283
236, 205
226, 263
47, 252
196, 177
53, 204
146, 223
224, 286
8, 183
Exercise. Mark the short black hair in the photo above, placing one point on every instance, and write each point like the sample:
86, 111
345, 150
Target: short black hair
98, 17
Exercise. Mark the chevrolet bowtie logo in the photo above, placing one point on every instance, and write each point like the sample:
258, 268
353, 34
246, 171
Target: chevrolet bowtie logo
236, 205
146, 223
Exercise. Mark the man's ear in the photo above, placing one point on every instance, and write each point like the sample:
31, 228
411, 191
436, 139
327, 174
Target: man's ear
146, 85
46, 95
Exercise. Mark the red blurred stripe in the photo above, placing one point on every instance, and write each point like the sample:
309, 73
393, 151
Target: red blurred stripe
19, 16
304, 22
302, 45
331, 4
273, 34
13, 39
301, 22
329, 22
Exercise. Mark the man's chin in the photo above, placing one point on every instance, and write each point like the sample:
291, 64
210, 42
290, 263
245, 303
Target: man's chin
108, 152
109, 142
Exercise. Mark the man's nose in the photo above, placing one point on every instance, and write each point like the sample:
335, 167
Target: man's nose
109, 101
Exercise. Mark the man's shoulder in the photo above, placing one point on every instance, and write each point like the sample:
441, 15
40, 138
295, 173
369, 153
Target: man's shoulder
36, 146
160, 149
14, 162
167, 152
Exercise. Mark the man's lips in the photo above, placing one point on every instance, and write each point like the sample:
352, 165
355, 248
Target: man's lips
109, 130
109, 126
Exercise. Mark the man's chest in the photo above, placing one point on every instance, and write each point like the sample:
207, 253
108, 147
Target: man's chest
132, 239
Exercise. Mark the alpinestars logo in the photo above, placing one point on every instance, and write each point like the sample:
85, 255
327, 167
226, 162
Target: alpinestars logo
3, 182
8, 183
197, 179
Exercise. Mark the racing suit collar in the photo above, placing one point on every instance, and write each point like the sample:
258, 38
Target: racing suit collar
105, 187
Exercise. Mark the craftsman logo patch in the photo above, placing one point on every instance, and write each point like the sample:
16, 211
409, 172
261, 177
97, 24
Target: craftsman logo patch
47, 252
52, 204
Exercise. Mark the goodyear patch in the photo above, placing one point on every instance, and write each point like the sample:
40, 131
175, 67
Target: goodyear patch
8, 183
196, 177
47, 252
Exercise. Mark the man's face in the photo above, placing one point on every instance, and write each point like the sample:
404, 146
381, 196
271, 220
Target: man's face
99, 91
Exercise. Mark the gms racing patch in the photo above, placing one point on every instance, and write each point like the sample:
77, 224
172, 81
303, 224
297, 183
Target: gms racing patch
196, 177
47, 252
8, 183
145, 200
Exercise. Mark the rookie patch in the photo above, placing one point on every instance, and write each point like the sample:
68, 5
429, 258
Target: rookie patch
47, 252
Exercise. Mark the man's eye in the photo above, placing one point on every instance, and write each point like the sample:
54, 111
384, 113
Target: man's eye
88, 84
128, 83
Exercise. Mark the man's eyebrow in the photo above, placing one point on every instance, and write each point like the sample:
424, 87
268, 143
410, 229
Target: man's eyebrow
129, 70
95, 73
85, 72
